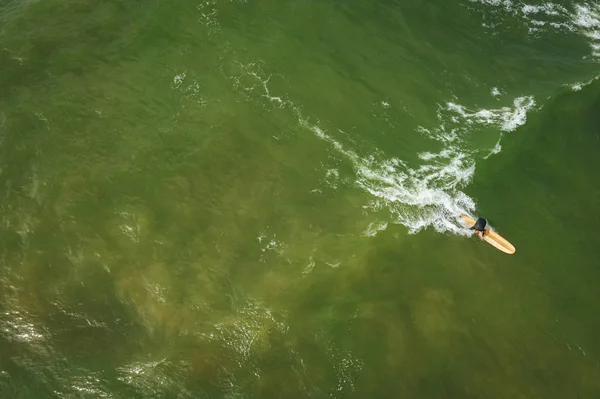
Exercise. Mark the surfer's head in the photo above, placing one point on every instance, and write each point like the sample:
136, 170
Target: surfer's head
479, 225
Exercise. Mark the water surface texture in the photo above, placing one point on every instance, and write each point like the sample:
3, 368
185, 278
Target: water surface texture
261, 199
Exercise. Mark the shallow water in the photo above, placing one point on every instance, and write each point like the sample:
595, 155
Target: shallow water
261, 199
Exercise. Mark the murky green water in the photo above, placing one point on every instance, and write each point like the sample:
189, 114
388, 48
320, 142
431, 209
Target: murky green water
260, 199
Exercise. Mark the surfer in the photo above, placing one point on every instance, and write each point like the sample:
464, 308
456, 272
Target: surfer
488, 235
479, 227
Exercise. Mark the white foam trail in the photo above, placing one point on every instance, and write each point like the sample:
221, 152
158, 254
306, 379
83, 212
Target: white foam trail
416, 198
428, 195
412, 195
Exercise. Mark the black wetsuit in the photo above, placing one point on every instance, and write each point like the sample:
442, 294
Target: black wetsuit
480, 226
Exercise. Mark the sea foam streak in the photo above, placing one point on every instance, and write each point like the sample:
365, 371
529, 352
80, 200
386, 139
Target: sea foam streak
428, 195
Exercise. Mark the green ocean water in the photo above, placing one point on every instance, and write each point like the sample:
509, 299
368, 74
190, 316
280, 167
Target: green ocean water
260, 199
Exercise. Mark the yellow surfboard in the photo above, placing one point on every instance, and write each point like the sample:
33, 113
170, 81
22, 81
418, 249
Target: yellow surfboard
491, 237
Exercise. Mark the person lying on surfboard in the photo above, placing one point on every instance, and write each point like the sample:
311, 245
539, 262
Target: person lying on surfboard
487, 234
479, 227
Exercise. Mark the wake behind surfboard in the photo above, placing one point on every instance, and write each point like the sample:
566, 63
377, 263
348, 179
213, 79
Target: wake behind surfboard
491, 237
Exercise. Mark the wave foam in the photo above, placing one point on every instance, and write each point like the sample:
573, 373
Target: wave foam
506, 118
428, 195
587, 17
580, 85
581, 18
